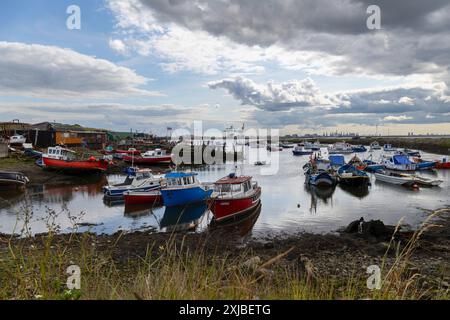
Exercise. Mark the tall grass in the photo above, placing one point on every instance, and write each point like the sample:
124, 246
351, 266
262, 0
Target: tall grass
35, 268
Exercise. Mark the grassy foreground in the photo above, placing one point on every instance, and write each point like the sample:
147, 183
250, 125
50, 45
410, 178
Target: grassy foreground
173, 268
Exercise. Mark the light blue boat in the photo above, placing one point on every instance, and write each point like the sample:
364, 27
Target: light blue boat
183, 188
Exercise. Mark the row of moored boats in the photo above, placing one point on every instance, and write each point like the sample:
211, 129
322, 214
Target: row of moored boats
228, 197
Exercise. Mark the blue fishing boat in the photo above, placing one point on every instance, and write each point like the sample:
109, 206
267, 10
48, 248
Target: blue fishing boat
425, 165
351, 176
359, 149
183, 188
372, 166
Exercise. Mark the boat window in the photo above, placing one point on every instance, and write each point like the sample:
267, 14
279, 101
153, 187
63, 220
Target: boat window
236, 188
246, 186
226, 188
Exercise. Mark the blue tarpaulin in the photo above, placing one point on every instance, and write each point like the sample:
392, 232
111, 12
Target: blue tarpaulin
401, 159
337, 160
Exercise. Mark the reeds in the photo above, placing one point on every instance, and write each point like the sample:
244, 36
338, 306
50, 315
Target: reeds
35, 268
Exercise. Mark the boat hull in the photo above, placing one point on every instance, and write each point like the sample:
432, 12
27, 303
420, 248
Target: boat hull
182, 196
151, 197
119, 192
401, 181
302, 153
76, 166
321, 180
227, 208
443, 165
141, 160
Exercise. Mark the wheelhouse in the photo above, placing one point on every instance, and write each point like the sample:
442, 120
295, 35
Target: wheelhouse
181, 179
61, 153
233, 186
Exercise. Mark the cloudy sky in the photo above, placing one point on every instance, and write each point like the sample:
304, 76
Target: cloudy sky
301, 66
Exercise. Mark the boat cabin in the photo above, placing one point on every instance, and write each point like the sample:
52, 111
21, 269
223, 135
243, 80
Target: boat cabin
336, 160
234, 186
155, 153
181, 179
60, 153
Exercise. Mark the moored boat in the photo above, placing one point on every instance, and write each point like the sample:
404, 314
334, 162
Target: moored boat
13, 179
349, 175
389, 148
156, 156
340, 148
396, 178
234, 195
359, 149
398, 162
301, 151
424, 165
65, 160
141, 180
183, 188
443, 164
143, 197
375, 146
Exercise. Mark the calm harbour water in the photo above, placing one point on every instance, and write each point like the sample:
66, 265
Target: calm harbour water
288, 206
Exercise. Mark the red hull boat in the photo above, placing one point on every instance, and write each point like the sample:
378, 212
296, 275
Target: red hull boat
442, 165
150, 157
64, 159
150, 197
234, 196
88, 165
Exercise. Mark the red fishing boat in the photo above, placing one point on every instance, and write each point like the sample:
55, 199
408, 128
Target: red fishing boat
65, 159
234, 195
156, 156
145, 197
444, 164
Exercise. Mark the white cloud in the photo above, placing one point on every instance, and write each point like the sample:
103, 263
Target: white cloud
397, 118
54, 72
273, 96
406, 100
118, 46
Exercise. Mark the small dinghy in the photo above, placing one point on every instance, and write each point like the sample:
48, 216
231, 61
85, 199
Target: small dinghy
400, 179
13, 179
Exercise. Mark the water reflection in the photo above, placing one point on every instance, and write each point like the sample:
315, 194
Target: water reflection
359, 192
324, 194
136, 211
183, 218
237, 228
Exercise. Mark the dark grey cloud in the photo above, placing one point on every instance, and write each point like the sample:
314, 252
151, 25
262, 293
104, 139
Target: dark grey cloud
415, 35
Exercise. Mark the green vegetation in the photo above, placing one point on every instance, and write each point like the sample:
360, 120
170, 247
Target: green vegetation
35, 268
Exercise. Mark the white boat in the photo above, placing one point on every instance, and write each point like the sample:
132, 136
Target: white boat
141, 180
17, 139
428, 182
375, 146
406, 179
389, 148
340, 148
398, 162
315, 146
396, 178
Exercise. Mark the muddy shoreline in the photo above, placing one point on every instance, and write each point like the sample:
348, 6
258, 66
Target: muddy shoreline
325, 255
